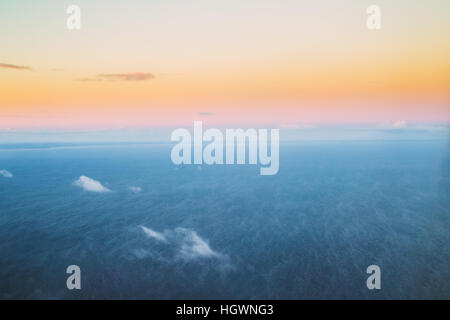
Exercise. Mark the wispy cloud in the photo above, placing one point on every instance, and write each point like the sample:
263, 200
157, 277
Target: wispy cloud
6, 173
204, 113
13, 66
420, 130
188, 244
193, 246
153, 234
136, 76
135, 189
399, 124
91, 185
133, 76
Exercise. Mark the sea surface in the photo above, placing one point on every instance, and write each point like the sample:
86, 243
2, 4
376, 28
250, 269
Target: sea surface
161, 231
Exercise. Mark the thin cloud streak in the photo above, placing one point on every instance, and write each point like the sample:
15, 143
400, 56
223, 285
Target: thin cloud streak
134, 76
13, 66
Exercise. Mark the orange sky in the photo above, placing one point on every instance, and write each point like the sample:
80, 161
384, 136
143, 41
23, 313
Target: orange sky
141, 64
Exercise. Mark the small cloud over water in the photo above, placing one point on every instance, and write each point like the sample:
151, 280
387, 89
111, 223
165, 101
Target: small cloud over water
91, 185
187, 243
153, 234
6, 173
192, 246
135, 189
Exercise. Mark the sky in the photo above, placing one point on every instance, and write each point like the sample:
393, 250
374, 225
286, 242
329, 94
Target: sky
158, 64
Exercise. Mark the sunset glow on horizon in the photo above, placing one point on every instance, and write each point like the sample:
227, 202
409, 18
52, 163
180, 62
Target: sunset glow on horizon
168, 63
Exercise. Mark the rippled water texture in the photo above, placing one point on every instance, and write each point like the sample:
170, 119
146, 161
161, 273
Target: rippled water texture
155, 230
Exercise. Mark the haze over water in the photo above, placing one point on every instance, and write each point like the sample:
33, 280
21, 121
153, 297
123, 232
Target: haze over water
164, 231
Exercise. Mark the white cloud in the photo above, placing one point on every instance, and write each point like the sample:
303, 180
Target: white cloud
187, 243
193, 246
6, 173
153, 234
400, 124
404, 126
135, 189
89, 184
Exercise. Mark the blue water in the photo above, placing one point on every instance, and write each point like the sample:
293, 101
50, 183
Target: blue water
227, 232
